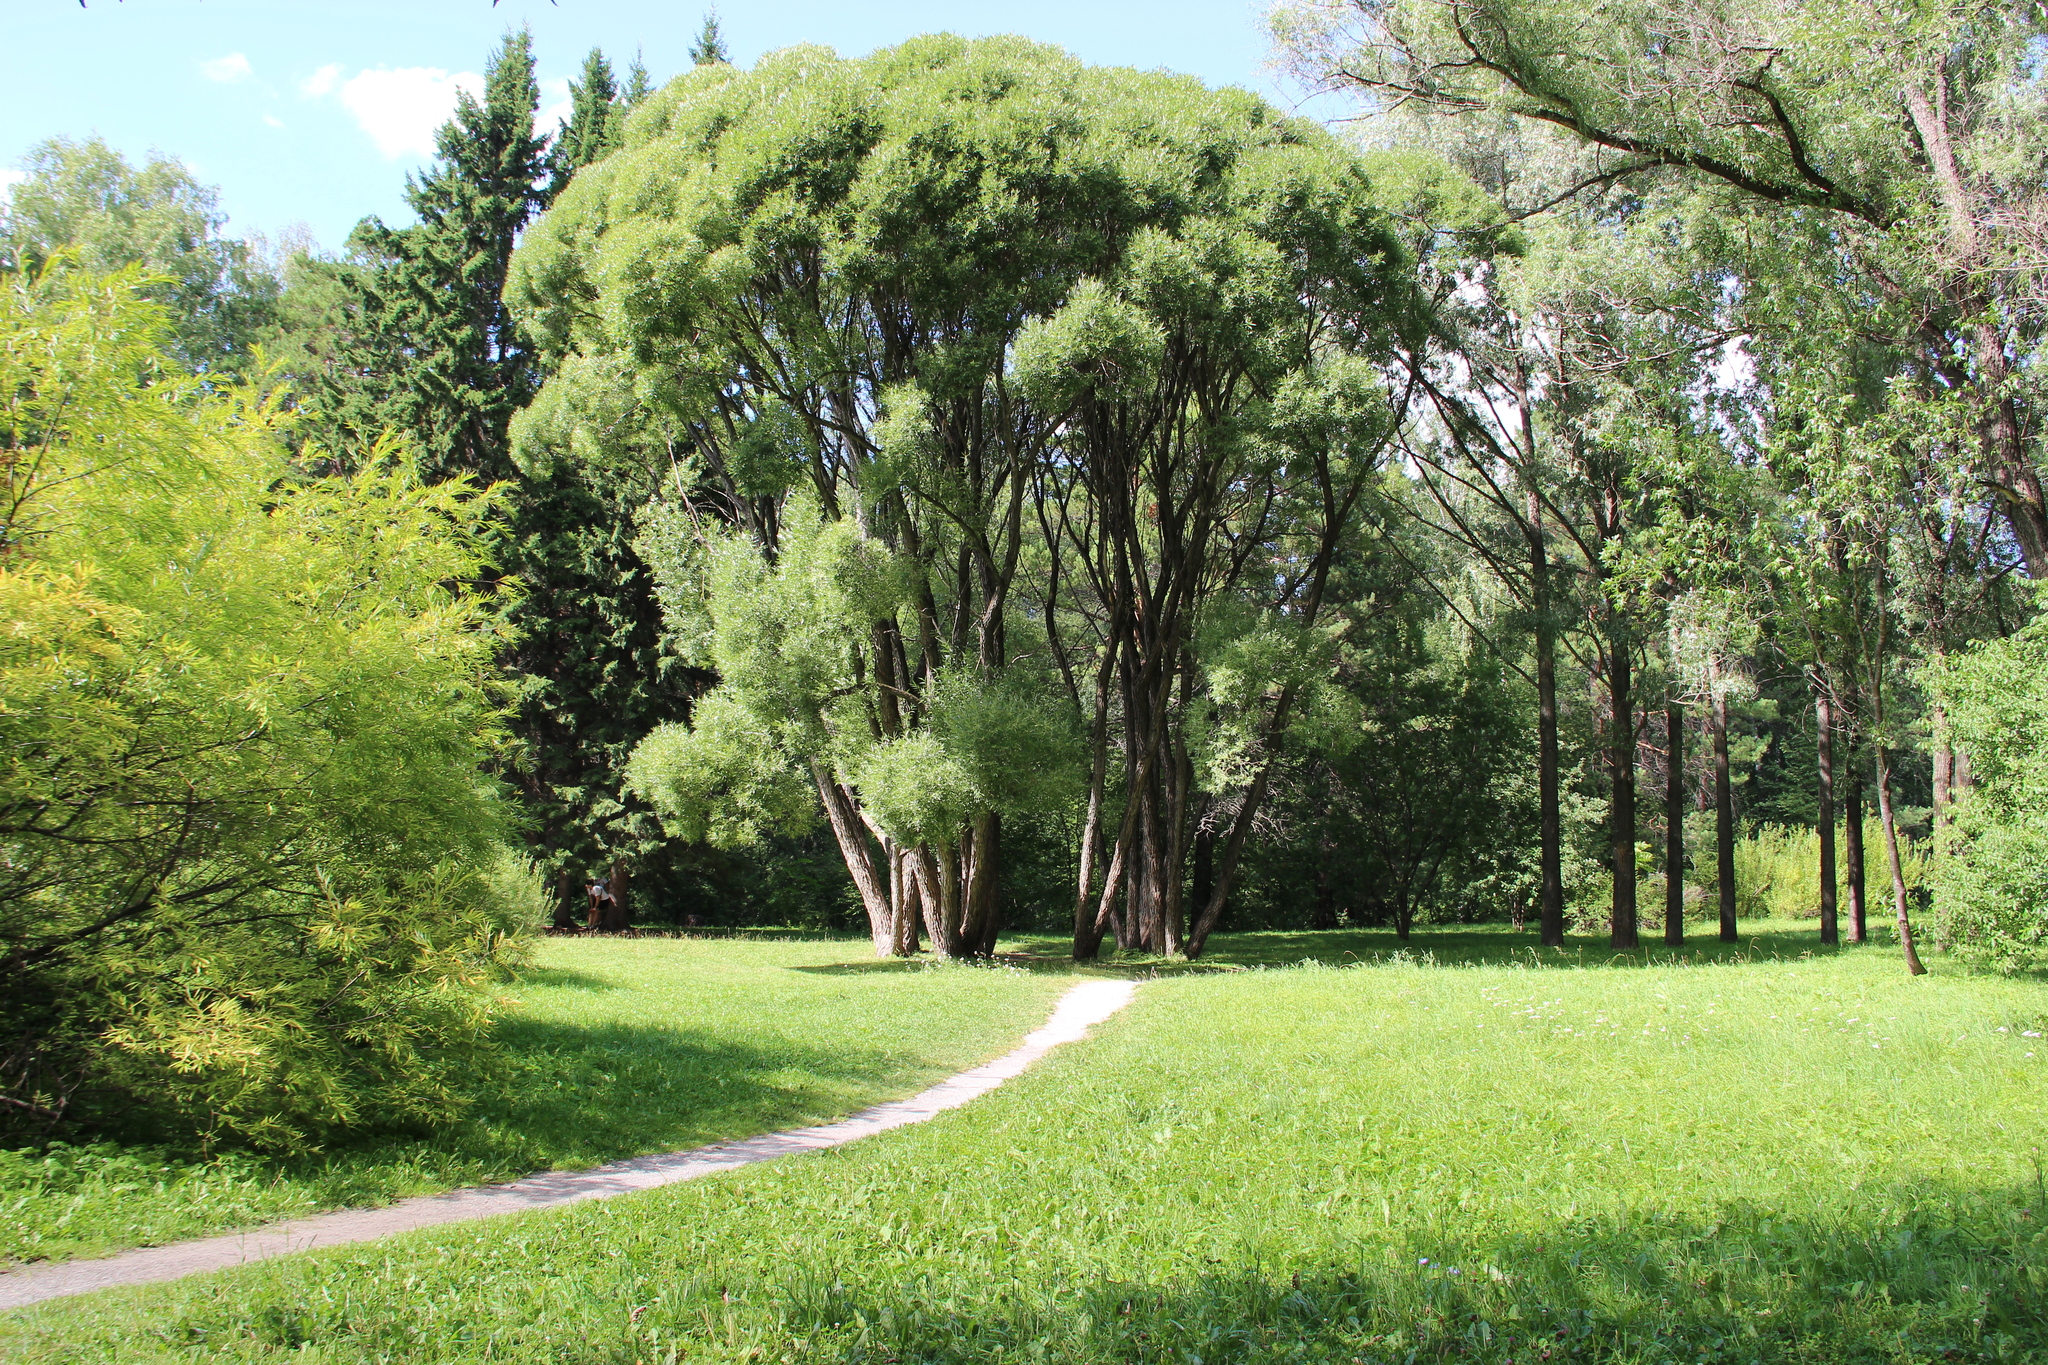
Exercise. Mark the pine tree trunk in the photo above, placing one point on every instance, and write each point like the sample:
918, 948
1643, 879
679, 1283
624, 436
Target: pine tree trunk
565, 901
1621, 811
1724, 819
1824, 723
615, 911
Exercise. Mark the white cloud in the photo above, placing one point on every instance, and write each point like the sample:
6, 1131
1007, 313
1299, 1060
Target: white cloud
401, 109
229, 70
9, 178
273, 121
555, 106
321, 82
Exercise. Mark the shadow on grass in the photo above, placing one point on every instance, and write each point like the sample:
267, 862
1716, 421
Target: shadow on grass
1923, 1275
571, 1097
881, 966
1480, 945
564, 978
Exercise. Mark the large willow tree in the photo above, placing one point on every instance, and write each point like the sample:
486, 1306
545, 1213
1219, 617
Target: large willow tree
1005, 401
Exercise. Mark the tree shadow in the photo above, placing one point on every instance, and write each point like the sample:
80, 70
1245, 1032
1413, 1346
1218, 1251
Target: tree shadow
881, 966
568, 1097
1922, 1275
564, 978
1480, 945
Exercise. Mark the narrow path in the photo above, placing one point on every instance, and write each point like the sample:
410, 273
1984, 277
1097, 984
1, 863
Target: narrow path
1084, 1005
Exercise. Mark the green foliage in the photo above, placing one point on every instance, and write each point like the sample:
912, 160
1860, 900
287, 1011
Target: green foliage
245, 888
1993, 893
1777, 870
82, 206
1610, 1165
723, 779
427, 345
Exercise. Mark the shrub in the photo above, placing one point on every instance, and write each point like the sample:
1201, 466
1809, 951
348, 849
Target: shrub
245, 849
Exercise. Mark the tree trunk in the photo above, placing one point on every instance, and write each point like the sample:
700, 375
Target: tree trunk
854, 852
1674, 823
615, 916
1724, 819
1852, 846
1551, 854
981, 856
1621, 811
1891, 849
565, 901
1824, 721
988, 848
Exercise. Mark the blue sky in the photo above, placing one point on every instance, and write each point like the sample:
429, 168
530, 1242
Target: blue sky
312, 113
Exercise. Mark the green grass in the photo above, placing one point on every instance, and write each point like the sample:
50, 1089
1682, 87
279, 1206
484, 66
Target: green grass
1763, 1155
617, 1048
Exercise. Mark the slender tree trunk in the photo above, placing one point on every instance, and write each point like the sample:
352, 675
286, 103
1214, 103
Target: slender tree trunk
1852, 846
1622, 804
1891, 850
1674, 823
1824, 722
1724, 819
1551, 913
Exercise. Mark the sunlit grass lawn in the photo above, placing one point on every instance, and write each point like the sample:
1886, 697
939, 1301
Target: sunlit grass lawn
1761, 1156
618, 1048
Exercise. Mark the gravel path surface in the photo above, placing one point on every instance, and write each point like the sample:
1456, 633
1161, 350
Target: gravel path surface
1086, 1004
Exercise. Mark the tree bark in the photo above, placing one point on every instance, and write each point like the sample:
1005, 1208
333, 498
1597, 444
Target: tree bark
1824, 721
853, 851
1674, 823
1724, 818
1551, 853
1891, 849
1621, 811
615, 914
1852, 846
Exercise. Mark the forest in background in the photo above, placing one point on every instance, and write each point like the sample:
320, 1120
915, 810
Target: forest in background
959, 490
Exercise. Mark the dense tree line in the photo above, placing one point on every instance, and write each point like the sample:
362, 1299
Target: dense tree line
960, 489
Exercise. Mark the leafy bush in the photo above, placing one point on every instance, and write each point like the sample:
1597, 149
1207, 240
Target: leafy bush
245, 850
1992, 896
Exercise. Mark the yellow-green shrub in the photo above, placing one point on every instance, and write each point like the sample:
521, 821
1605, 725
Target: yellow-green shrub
244, 842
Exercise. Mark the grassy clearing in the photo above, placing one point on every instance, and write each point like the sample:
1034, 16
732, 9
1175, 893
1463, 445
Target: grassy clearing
1778, 1158
620, 1047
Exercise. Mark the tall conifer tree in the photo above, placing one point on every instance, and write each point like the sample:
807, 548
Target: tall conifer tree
596, 124
433, 293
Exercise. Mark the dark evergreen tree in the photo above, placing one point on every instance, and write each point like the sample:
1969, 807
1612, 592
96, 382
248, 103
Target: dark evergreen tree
428, 348
709, 46
596, 123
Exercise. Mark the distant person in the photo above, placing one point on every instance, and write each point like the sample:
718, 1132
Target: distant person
601, 902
